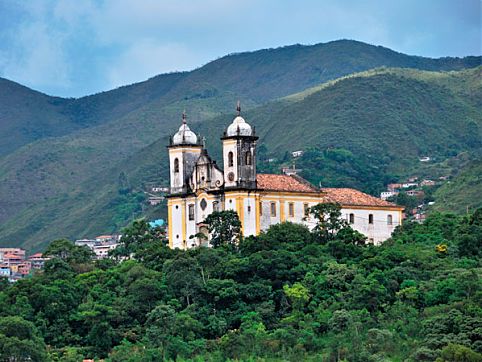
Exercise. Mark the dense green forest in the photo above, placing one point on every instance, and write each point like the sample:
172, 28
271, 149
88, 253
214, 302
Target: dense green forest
288, 294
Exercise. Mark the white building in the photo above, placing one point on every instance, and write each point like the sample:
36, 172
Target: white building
387, 194
198, 186
102, 251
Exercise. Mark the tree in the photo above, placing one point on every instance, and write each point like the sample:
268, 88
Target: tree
349, 236
19, 341
161, 324
329, 221
469, 235
183, 276
224, 227
458, 353
298, 295
130, 352
138, 237
69, 252
123, 184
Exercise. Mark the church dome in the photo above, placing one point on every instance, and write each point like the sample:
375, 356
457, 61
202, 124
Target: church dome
239, 127
184, 135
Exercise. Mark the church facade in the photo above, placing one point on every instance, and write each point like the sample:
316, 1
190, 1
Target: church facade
198, 186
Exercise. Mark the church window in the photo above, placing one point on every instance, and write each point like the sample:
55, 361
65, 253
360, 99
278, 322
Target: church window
291, 209
203, 204
248, 158
273, 209
191, 212
215, 206
352, 219
370, 218
306, 209
249, 208
389, 219
176, 165
260, 208
230, 159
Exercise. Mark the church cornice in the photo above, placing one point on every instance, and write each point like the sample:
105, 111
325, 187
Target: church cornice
239, 137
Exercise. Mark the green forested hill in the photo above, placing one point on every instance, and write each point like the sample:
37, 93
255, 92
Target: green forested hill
357, 131
286, 295
26, 115
258, 76
462, 193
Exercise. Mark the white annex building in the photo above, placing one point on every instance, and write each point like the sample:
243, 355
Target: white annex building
198, 186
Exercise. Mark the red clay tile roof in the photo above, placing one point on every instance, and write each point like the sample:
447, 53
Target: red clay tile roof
12, 256
345, 196
285, 183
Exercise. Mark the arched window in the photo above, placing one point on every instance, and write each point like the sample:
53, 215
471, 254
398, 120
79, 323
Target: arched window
176, 165
230, 159
389, 219
370, 218
248, 158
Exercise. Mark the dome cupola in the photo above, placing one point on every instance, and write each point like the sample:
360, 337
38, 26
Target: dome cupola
184, 136
239, 127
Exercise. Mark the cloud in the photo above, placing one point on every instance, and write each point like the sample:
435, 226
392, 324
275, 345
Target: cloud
146, 58
33, 52
73, 47
37, 58
124, 21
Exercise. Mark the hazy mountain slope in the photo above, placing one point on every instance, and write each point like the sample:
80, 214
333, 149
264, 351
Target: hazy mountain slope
385, 118
463, 192
26, 115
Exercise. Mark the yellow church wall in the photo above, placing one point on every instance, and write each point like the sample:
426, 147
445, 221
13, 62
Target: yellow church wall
253, 218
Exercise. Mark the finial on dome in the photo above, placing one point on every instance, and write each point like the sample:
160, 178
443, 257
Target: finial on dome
238, 108
184, 117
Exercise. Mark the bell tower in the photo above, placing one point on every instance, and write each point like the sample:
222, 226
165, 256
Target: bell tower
239, 154
184, 150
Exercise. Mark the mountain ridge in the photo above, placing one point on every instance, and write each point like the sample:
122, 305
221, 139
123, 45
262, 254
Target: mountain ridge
256, 76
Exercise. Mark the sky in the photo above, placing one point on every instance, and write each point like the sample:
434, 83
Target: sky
72, 48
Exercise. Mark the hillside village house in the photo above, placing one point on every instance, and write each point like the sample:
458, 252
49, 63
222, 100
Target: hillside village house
14, 265
198, 186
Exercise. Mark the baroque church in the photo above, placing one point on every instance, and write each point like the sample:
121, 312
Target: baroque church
198, 186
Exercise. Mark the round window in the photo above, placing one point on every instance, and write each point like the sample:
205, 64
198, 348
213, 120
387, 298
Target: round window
231, 176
